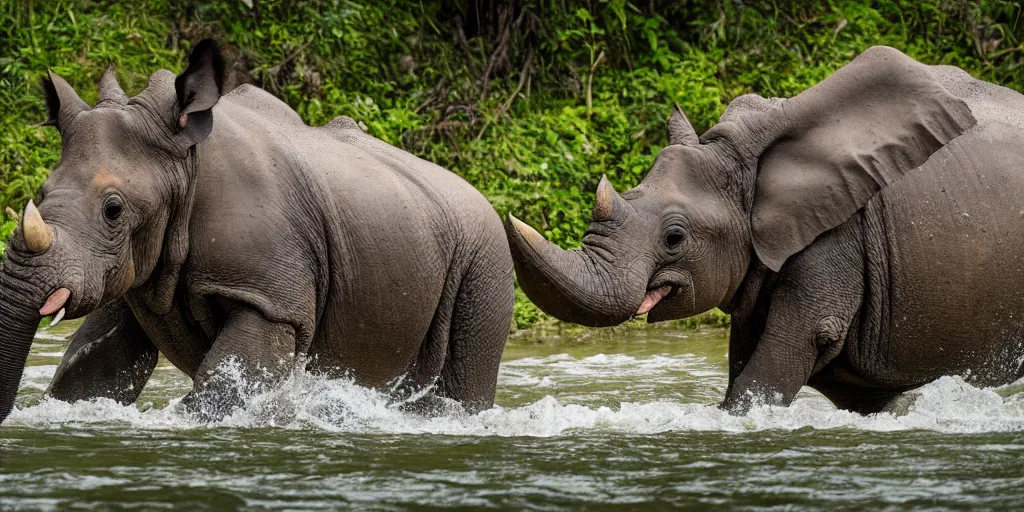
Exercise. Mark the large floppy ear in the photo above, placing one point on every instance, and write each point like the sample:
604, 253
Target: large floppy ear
62, 102
198, 89
840, 142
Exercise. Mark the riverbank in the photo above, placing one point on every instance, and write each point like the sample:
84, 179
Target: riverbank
551, 331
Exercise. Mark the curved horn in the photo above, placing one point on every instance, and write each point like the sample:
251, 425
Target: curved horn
569, 285
62, 101
605, 201
110, 90
38, 236
680, 131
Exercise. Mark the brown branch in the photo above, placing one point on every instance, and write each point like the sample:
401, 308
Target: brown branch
523, 78
590, 82
522, 81
500, 49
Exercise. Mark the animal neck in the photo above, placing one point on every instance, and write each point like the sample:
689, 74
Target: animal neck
744, 299
159, 290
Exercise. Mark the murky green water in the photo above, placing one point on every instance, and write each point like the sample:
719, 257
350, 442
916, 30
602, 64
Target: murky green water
623, 422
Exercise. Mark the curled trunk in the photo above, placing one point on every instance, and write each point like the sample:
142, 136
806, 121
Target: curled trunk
571, 285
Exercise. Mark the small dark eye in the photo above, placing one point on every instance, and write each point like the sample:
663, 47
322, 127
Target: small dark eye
112, 209
673, 239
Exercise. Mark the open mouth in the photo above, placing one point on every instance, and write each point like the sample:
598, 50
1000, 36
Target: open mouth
654, 296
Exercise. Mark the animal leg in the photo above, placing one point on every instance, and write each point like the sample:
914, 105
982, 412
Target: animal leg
785, 358
747, 329
779, 366
250, 355
812, 304
109, 357
479, 327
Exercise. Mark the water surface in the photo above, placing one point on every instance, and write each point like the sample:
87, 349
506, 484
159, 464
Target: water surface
621, 420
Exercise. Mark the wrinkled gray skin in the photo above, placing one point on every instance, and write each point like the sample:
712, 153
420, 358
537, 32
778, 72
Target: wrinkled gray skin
211, 229
867, 236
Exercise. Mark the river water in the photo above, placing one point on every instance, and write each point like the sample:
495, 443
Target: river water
614, 420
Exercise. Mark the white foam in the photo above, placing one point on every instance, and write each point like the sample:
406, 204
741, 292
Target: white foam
46, 335
309, 401
37, 377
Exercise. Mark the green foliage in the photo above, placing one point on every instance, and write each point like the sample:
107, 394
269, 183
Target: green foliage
530, 101
6, 230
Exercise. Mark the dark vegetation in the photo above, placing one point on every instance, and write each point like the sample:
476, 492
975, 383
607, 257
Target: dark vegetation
530, 100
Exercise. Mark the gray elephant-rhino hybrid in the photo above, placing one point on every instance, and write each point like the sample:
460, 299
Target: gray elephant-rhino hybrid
867, 236
221, 229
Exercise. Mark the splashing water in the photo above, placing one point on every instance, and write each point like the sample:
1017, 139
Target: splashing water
630, 421
559, 394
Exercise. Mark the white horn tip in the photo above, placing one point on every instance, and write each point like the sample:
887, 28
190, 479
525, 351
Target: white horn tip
604, 201
528, 233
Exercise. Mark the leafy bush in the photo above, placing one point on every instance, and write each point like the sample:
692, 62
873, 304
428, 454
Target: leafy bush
530, 101
6, 230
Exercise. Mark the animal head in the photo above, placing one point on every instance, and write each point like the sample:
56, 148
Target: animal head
760, 186
114, 212
122, 183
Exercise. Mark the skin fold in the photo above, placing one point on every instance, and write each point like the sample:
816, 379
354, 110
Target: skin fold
221, 230
866, 236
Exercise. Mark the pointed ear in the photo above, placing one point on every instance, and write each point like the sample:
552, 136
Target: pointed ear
62, 102
110, 90
198, 89
842, 141
680, 131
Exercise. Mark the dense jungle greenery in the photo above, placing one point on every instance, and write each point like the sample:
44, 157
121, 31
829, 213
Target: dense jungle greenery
530, 100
